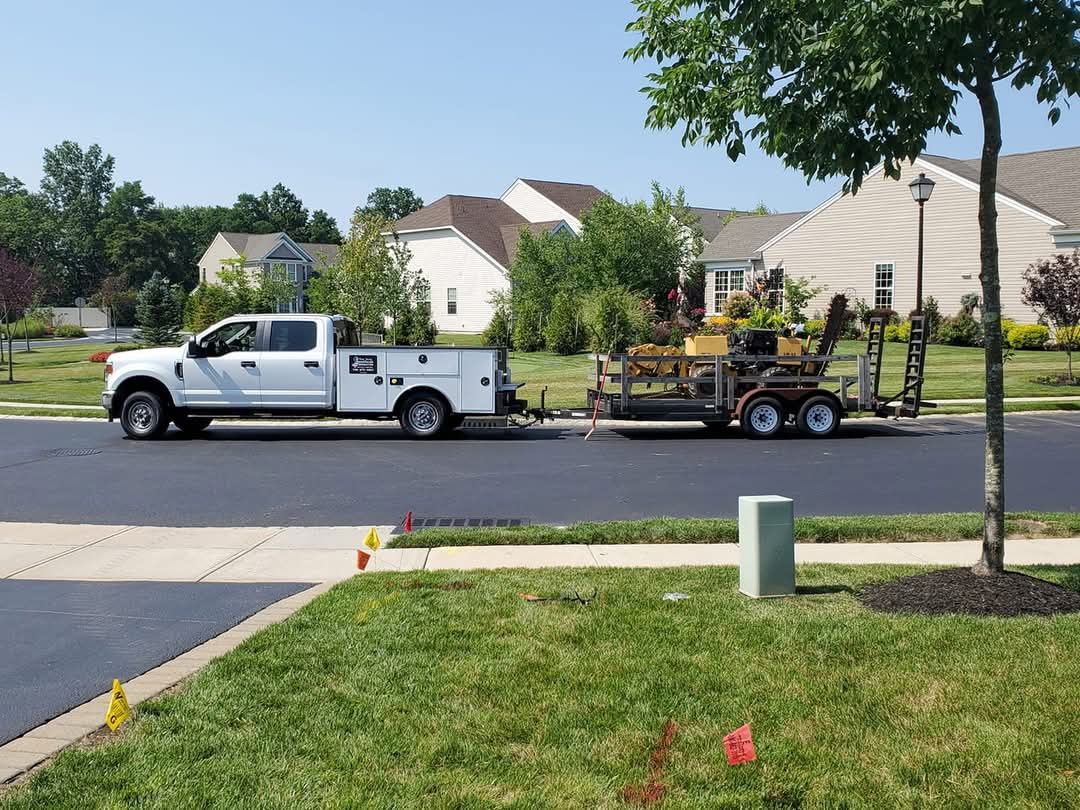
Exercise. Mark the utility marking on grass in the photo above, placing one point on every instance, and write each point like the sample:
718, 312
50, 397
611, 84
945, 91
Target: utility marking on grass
654, 790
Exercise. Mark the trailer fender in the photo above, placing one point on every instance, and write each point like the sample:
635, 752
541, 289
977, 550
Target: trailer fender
792, 398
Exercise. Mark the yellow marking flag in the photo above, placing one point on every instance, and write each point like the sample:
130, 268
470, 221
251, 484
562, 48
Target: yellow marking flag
372, 540
119, 710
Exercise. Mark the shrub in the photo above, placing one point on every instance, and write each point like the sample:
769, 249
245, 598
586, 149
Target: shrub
19, 329
99, 357
69, 330
528, 333
717, 325
207, 304
126, 347
497, 332
677, 337
898, 332
1027, 336
889, 315
739, 305
614, 319
933, 317
815, 327
661, 333
961, 330
562, 332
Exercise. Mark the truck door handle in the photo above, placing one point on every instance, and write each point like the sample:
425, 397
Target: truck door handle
247, 364
311, 364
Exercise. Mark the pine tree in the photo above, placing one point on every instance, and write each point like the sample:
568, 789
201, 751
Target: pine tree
158, 313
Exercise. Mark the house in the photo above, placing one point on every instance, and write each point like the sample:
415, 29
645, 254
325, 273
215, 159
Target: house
866, 244
465, 245
265, 251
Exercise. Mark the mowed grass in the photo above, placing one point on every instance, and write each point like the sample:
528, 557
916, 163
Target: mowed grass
391, 692
843, 529
59, 375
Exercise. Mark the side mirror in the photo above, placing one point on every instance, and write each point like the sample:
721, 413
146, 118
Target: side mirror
194, 349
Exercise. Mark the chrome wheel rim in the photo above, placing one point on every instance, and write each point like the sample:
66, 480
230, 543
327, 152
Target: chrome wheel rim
141, 416
423, 416
820, 418
764, 418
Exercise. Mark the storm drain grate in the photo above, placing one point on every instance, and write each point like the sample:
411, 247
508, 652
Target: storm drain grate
62, 452
420, 523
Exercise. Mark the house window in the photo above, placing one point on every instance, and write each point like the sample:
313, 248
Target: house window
451, 300
883, 285
727, 282
775, 288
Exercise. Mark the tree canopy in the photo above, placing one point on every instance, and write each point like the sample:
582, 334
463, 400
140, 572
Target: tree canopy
391, 203
835, 88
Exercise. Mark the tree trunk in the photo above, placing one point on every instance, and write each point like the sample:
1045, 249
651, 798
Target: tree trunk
993, 550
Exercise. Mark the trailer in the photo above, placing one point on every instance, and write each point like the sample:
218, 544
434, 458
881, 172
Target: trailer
778, 389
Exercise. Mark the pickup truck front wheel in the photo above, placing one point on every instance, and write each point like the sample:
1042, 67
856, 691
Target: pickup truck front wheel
424, 416
143, 416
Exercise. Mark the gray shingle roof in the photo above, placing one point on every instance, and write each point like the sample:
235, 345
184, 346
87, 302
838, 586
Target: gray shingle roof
711, 220
1048, 181
481, 219
321, 252
255, 246
743, 237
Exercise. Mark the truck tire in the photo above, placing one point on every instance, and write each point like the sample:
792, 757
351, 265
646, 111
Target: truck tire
819, 417
763, 418
192, 424
144, 416
424, 416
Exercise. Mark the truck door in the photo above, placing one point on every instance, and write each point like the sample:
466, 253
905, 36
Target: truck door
293, 369
229, 374
362, 379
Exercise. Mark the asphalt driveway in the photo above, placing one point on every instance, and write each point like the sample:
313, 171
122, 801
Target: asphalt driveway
62, 643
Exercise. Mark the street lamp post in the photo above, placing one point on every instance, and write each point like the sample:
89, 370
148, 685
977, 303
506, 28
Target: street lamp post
921, 189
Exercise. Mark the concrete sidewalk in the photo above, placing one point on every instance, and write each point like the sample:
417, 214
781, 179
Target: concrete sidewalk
328, 554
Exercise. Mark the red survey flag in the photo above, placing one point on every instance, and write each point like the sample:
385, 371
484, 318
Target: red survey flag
739, 746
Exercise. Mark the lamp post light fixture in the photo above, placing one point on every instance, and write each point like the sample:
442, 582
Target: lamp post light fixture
921, 189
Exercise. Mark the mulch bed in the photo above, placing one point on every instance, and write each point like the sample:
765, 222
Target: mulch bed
959, 590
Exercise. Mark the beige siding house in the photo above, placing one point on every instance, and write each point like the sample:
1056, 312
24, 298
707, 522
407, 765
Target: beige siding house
866, 244
262, 252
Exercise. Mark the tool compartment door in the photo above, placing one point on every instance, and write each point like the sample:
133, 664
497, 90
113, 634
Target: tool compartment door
478, 381
424, 361
361, 380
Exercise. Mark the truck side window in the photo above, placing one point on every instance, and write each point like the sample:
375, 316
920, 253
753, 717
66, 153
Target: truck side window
232, 337
293, 336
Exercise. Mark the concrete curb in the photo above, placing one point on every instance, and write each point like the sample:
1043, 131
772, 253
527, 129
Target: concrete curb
34, 748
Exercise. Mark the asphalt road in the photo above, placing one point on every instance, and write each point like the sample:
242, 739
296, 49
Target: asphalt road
316, 476
124, 334
62, 643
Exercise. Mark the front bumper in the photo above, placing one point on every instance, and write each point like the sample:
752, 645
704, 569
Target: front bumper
106, 402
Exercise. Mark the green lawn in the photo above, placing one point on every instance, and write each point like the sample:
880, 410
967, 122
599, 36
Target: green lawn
844, 529
63, 375
393, 692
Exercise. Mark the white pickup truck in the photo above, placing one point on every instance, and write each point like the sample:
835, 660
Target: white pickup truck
304, 365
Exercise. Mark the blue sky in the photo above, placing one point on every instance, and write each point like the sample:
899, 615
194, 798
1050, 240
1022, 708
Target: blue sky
204, 100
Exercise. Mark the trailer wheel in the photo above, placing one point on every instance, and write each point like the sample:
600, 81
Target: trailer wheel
819, 417
143, 416
763, 418
424, 416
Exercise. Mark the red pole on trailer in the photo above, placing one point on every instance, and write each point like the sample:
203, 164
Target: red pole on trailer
599, 395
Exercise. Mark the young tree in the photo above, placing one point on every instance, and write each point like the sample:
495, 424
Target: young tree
322, 229
273, 290
836, 88
357, 286
391, 204
1052, 286
113, 296
17, 284
158, 312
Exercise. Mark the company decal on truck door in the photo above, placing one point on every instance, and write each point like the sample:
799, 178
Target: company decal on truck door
363, 364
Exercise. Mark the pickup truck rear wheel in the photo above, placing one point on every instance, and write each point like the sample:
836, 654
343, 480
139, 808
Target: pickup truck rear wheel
424, 416
143, 416
192, 424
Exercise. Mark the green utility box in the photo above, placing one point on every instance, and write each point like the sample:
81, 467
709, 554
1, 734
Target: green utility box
766, 546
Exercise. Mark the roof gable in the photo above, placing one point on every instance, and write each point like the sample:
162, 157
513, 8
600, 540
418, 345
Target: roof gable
573, 198
479, 219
